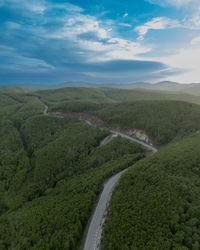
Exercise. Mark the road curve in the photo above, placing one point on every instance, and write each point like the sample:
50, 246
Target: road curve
147, 146
93, 238
45, 110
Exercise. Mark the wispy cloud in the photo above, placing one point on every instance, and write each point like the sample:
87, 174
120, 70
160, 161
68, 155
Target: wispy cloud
158, 23
125, 25
195, 41
177, 3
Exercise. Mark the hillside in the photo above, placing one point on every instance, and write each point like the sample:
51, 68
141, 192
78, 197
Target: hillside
70, 94
192, 89
111, 95
166, 87
97, 93
163, 121
52, 171
158, 202
13, 88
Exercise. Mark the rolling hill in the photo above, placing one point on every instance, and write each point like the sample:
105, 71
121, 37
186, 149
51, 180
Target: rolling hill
165, 86
111, 95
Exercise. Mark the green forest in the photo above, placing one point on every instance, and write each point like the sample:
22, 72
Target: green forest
163, 121
114, 95
158, 202
52, 170
51, 173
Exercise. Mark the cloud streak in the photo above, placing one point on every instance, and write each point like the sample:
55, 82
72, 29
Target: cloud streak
158, 23
177, 3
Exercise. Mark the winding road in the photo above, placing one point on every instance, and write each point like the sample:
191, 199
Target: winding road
95, 230
45, 112
94, 234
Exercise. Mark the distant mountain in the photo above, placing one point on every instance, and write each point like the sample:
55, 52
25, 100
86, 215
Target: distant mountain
166, 83
193, 88
13, 88
35, 87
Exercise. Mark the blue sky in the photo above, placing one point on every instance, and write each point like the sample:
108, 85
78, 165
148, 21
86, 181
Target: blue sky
107, 41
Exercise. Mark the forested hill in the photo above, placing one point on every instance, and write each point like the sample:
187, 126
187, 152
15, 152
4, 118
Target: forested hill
163, 121
158, 202
51, 172
112, 95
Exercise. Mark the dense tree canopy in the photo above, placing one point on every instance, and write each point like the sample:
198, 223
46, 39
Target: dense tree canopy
51, 173
163, 121
156, 204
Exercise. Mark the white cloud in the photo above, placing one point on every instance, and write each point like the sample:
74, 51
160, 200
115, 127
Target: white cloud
195, 41
188, 59
125, 25
114, 49
40, 6
158, 23
192, 22
106, 45
31, 5
67, 6
125, 14
192, 16
80, 24
177, 3
125, 49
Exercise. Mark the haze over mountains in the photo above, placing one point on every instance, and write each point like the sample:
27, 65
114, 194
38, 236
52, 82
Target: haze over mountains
193, 88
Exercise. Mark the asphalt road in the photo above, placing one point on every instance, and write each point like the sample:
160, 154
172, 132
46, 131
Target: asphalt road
45, 110
94, 233
154, 150
96, 226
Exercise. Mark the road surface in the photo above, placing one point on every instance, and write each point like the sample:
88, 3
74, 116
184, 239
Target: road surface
94, 233
45, 110
93, 239
151, 148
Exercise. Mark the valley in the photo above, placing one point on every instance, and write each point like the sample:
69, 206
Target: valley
53, 172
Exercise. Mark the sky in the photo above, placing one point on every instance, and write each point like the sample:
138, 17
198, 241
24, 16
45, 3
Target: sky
99, 41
